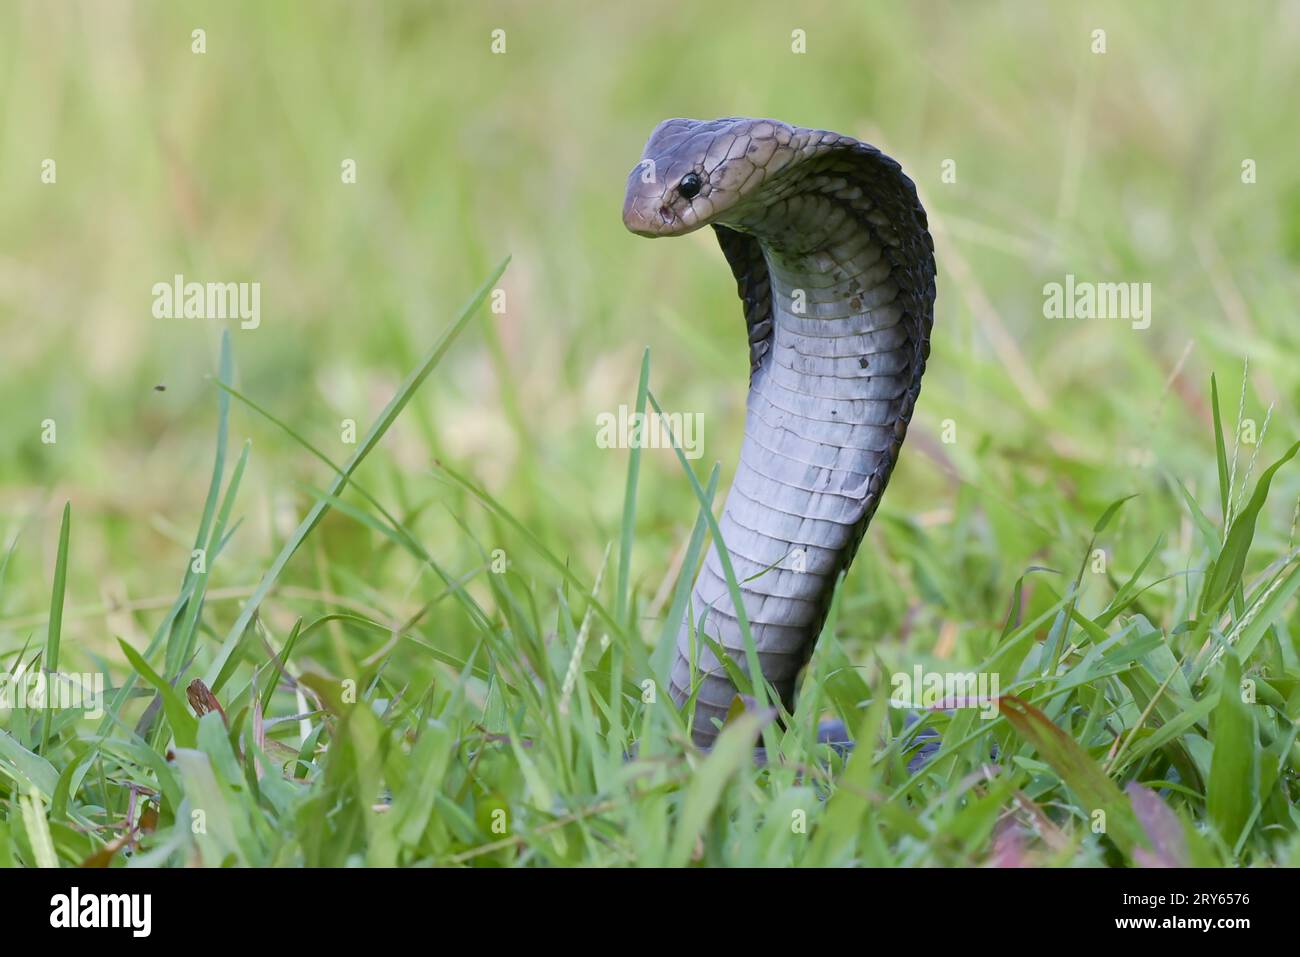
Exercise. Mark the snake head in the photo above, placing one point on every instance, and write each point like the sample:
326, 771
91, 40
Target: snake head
694, 172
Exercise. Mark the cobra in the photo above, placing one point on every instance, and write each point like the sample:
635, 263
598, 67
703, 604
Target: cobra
834, 265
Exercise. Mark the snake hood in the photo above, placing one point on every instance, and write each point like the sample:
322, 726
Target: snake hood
834, 265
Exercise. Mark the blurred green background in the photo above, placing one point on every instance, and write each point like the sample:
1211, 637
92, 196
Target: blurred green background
225, 166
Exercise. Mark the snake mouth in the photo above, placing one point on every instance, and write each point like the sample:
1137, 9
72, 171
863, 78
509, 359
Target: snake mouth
636, 220
652, 216
657, 218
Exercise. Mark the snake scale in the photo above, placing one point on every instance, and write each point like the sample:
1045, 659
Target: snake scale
834, 264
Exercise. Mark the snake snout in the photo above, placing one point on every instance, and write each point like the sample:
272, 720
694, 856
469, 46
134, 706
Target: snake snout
634, 219
642, 208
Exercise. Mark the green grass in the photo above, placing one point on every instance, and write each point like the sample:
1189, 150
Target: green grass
1120, 740
431, 646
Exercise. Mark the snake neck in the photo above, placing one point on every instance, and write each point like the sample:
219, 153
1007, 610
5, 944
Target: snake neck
820, 437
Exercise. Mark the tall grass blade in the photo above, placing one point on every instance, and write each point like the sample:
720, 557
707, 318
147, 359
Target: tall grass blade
55, 632
223, 664
628, 530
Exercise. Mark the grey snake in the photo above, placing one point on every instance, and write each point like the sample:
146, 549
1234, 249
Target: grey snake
834, 265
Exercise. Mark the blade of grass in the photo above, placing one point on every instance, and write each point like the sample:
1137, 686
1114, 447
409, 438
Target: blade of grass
662, 655
222, 666
733, 586
1232, 785
181, 648
55, 632
27, 766
1225, 575
734, 748
628, 530
1077, 769
4, 566
225, 373
38, 830
1220, 452
183, 724
1263, 614
840, 825
278, 665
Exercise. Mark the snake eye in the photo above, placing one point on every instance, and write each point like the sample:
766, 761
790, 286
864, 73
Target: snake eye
690, 185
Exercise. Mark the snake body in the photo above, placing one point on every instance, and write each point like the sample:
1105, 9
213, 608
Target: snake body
834, 265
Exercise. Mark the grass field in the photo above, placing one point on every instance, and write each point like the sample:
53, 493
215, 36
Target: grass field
429, 633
